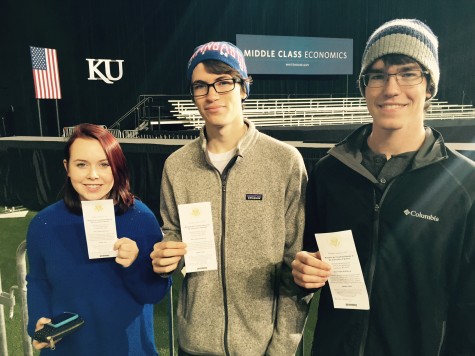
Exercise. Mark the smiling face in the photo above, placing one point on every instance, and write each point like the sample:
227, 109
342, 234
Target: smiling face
218, 110
395, 107
89, 170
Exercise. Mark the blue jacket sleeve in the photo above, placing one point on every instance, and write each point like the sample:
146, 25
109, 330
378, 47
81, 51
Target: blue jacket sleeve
146, 286
38, 287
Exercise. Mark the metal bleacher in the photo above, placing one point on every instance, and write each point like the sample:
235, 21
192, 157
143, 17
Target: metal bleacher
313, 111
269, 112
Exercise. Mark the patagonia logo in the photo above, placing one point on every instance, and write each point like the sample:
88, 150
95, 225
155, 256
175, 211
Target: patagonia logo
253, 196
418, 214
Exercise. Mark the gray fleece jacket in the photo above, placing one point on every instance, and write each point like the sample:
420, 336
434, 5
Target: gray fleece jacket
250, 305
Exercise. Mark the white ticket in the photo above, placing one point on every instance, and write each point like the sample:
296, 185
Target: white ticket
99, 224
347, 284
196, 225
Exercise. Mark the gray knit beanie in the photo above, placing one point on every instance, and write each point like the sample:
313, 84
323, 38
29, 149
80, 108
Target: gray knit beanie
408, 37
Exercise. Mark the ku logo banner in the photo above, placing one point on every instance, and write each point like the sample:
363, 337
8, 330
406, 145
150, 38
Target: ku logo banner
100, 69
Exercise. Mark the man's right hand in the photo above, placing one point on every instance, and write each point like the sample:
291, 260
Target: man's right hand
309, 270
166, 255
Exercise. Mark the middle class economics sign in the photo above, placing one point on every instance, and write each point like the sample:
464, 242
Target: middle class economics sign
296, 55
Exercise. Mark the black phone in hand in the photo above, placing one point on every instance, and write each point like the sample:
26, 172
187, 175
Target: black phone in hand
59, 326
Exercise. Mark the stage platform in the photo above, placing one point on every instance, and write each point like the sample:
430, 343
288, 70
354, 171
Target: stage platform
32, 172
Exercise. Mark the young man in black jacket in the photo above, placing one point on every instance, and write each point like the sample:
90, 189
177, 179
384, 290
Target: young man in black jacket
409, 202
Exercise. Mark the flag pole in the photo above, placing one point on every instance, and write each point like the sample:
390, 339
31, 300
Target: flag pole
57, 117
39, 117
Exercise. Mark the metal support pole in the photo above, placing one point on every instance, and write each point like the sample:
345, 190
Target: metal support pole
21, 280
171, 331
3, 329
159, 119
39, 116
4, 127
57, 117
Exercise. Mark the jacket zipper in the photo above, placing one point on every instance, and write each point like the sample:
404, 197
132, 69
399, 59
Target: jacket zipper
372, 265
224, 178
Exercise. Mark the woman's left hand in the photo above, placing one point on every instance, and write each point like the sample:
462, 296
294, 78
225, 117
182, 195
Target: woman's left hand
127, 251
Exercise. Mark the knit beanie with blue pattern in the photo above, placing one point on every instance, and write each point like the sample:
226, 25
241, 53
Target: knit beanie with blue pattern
221, 51
408, 37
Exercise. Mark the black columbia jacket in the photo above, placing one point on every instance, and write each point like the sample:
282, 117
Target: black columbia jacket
416, 247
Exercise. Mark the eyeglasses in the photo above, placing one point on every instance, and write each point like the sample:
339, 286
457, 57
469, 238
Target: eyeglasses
221, 86
403, 78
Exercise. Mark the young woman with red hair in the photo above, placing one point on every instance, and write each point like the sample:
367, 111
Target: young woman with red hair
115, 297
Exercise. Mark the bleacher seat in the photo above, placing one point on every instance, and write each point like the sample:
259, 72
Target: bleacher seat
313, 111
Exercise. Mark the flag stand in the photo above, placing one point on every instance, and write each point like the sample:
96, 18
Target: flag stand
39, 117
57, 117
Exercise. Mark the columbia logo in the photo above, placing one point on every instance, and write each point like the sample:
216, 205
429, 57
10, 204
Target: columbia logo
420, 215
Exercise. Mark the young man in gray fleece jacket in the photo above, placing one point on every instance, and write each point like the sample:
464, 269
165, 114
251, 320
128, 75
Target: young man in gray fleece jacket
256, 187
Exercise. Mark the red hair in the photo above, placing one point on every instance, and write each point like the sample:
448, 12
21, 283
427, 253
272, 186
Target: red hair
120, 192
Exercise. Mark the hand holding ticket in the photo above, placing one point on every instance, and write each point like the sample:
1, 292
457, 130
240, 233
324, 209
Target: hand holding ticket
347, 284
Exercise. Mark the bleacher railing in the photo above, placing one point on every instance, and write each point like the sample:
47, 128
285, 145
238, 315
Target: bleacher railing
161, 111
313, 111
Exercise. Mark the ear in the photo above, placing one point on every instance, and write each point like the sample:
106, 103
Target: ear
244, 95
65, 164
429, 88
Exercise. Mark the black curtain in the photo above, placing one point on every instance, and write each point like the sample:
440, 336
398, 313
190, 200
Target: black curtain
155, 38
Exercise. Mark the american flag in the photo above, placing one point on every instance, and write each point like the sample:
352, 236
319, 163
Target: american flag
45, 73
